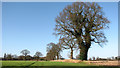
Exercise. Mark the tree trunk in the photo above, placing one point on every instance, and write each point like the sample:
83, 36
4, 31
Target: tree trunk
25, 58
71, 57
37, 58
83, 53
57, 56
84, 46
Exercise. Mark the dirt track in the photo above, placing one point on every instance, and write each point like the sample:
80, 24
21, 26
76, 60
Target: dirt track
68, 60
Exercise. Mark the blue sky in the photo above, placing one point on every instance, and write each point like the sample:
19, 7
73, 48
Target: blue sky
60, 0
30, 26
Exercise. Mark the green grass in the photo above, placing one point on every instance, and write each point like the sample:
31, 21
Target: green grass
40, 63
47, 64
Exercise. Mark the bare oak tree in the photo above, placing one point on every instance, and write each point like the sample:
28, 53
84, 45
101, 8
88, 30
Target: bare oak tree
84, 21
68, 43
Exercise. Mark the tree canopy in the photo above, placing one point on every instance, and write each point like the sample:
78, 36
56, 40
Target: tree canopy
38, 54
25, 52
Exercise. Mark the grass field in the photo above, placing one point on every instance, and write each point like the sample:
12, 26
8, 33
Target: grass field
47, 64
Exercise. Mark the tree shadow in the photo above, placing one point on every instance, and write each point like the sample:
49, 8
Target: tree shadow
31, 64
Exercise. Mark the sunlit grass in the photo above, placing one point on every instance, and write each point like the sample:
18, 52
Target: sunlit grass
40, 63
47, 64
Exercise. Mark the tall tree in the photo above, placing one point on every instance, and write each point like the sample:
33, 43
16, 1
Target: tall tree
68, 43
25, 53
84, 21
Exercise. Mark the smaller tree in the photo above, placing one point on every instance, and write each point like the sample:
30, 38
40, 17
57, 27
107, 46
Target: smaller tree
5, 56
93, 58
25, 53
116, 58
50, 55
53, 51
68, 42
97, 58
90, 59
37, 55
9, 57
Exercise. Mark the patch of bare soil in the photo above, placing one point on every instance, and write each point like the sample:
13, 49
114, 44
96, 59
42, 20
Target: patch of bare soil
99, 63
68, 60
104, 63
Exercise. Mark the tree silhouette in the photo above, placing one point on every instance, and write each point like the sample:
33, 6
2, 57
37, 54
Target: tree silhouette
38, 54
85, 22
25, 53
5, 56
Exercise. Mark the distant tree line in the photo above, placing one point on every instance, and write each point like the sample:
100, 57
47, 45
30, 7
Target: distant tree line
103, 59
25, 56
53, 53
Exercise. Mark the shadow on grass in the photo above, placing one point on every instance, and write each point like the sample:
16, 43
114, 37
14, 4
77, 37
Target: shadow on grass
61, 67
30, 64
